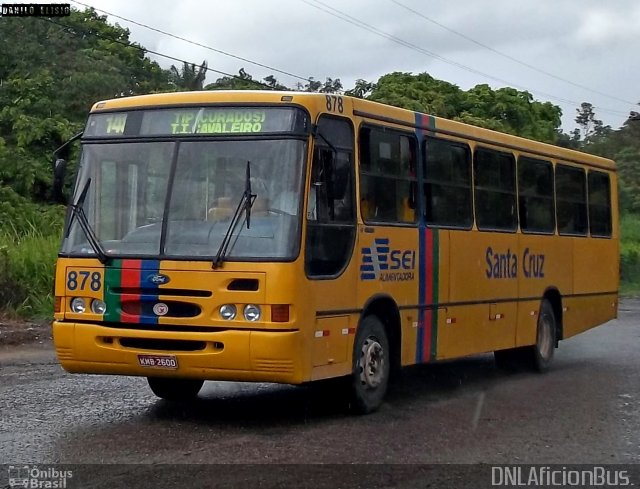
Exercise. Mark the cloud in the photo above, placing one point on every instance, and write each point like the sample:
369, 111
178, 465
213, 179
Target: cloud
590, 43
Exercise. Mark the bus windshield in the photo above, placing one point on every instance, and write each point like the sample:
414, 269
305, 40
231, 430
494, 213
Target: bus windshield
176, 198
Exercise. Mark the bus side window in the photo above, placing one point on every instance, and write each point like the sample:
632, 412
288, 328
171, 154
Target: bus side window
495, 190
599, 204
447, 184
535, 195
388, 180
571, 200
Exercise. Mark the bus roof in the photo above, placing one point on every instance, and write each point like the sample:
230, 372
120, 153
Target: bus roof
362, 108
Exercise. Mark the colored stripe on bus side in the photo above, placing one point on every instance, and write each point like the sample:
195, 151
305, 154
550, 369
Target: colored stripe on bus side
426, 344
435, 281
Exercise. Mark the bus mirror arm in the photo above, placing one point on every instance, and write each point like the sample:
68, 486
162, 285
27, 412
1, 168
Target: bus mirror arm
59, 168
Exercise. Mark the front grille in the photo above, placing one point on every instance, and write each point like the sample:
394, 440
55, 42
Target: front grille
176, 309
164, 327
163, 291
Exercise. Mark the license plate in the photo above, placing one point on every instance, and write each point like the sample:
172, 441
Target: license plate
158, 361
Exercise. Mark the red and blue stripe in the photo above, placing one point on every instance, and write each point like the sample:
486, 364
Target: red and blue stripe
130, 293
428, 274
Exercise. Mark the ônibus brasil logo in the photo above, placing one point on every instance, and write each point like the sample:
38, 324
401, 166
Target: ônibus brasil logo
380, 262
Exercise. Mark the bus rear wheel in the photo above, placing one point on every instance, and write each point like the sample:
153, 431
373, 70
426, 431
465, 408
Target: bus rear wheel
541, 354
175, 389
371, 366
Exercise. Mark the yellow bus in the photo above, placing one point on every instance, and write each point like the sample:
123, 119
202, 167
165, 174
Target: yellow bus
291, 237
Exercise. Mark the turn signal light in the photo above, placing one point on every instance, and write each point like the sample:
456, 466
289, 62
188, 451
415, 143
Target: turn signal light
280, 313
57, 304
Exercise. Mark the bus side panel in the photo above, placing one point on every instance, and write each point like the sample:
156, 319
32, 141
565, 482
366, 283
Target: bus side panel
595, 284
332, 332
389, 262
545, 262
483, 290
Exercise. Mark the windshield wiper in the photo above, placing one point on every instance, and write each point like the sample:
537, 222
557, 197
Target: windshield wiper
78, 212
246, 202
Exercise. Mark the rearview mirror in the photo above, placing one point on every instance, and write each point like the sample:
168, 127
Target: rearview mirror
59, 170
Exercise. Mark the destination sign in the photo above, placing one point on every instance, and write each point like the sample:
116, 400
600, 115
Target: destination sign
218, 122
196, 121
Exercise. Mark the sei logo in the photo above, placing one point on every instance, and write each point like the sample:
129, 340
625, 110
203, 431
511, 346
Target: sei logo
380, 262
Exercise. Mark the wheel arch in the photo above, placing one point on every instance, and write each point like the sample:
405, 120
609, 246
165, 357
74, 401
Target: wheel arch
552, 294
386, 309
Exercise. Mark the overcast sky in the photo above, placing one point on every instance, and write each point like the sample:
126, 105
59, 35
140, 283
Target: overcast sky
591, 43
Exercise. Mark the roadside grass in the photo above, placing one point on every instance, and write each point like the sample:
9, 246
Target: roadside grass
27, 260
630, 254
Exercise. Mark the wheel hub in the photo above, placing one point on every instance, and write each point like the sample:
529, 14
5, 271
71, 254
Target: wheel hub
372, 363
545, 341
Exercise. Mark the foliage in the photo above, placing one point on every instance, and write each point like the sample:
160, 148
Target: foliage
27, 263
189, 78
591, 128
242, 81
506, 109
29, 240
630, 253
362, 89
49, 80
20, 217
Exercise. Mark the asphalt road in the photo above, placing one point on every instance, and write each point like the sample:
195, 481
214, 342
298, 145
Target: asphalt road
585, 410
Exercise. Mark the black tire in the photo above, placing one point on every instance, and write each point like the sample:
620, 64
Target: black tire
541, 354
371, 366
175, 389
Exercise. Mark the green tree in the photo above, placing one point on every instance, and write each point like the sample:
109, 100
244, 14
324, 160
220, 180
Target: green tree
189, 78
628, 160
362, 89
243, 81
51, 72
272, 82
592, 129
506, 109
330, 85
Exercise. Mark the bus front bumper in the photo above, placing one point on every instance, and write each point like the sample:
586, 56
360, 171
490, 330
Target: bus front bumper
235, 355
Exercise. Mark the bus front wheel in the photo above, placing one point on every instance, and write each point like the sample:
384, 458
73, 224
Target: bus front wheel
175, 389
371, 366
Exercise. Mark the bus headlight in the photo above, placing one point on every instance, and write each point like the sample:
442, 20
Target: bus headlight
77, 305
98, 306
228, 311
251, 312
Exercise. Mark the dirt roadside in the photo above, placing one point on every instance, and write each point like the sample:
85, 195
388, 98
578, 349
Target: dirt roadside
14, 332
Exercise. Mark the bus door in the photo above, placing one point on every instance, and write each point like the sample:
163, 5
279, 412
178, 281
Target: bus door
330, 236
